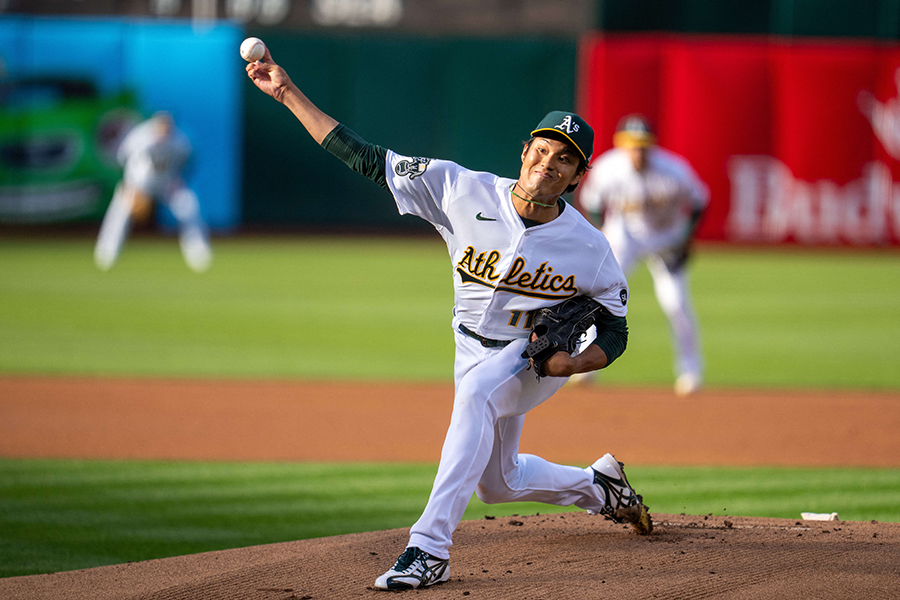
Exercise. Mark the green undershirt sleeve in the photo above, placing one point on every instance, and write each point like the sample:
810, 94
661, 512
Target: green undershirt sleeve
612, 335
361, 156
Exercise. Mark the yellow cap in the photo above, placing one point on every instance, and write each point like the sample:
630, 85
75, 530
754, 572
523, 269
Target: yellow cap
633, 131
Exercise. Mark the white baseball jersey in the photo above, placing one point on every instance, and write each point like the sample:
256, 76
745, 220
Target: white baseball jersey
653, 206
152, 161
503, 270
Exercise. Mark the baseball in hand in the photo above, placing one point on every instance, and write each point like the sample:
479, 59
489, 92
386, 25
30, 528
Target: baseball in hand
252, 49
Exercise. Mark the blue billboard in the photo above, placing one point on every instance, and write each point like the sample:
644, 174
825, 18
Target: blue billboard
70, 88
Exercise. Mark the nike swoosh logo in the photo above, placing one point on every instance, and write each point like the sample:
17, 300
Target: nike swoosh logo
480, 217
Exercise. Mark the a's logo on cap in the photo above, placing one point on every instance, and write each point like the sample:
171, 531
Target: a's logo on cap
567, 125
570, 126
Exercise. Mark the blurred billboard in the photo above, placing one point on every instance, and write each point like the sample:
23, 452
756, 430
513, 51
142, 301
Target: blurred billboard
798, 139
70, 88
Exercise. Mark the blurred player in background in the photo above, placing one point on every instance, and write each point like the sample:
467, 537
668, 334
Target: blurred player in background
154, 155
648, 202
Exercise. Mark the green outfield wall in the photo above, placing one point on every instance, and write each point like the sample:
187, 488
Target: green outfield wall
468, 100
843, 18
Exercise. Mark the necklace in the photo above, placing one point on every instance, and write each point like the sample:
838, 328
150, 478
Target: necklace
512, 191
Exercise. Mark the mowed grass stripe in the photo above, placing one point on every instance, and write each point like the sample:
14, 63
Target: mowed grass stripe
379, 308
63, 515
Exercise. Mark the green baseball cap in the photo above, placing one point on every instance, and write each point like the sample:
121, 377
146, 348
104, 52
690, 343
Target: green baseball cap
571, 127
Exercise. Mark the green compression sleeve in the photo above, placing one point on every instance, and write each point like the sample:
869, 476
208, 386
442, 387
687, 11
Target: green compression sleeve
361, 156
612, 335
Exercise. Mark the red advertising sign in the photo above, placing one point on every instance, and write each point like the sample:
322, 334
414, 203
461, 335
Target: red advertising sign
799, 141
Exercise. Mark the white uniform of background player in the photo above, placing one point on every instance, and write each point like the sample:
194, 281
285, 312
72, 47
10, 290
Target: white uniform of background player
154, 155
649, 201
514, 246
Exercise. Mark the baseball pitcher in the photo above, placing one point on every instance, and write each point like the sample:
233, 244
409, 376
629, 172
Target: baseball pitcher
649, 201
516, 247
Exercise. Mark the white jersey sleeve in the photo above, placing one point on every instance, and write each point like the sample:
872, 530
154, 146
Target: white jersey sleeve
133, 140
422, 186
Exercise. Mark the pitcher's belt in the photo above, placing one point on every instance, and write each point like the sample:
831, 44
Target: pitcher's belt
486, 342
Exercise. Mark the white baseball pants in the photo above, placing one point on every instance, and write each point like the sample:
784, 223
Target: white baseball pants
672, 292
192, 235
481, 450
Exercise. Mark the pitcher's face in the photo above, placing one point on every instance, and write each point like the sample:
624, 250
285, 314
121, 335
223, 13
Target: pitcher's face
549, 166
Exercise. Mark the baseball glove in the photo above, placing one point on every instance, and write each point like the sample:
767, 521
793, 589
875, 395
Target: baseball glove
559, 328
677, 258
141, 208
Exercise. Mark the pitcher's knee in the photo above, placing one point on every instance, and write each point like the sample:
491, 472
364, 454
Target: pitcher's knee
471, 393
492, 495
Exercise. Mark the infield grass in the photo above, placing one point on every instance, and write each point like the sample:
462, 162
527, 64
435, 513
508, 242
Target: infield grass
379, 308
64, 515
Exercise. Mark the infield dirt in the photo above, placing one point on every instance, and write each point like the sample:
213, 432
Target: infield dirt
548, 556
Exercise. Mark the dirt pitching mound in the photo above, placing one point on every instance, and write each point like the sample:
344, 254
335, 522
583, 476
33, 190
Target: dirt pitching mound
572, 556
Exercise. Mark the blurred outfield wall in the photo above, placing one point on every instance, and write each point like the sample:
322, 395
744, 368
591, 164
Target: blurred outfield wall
470, 100
799, 139
770, 113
